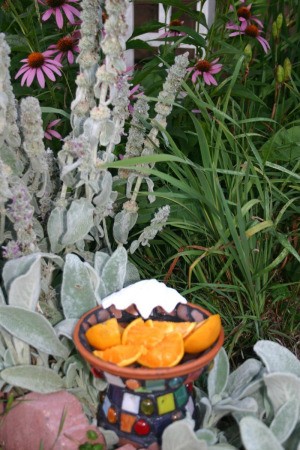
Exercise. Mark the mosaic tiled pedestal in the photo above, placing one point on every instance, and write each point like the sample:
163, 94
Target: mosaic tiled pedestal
140, 403
140, 410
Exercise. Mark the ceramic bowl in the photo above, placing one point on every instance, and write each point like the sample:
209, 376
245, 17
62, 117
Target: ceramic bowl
183, 312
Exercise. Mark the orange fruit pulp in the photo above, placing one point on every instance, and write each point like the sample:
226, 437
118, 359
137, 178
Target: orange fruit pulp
104, 335
167, 353
204, 335
152, 343
122, 355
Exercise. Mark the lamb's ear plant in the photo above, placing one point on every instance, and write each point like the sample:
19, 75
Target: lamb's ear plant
257, 405
65, 220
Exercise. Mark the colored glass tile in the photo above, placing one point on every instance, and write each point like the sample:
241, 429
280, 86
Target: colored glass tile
115, 394
190, 407
175, 382
181, 396
102, 396
127, 421
112, 415
97, 373
112, 379
142, 427
106, 405
133, 384
190, 387
131, 403
155, 385
147, 406
165, 403
177, 415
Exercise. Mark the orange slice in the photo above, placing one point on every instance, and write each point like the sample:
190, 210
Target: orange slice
204, 335
104, 335
138, 333
167, 353
122, 355
184, 328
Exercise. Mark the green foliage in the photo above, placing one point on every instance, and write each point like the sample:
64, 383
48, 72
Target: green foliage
255, 406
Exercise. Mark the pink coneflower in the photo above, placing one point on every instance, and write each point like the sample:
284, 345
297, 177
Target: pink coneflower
205, 69
132, 95
56, 7
36, 65
245, 16
50, 133
251, 31
172, 32
65, 47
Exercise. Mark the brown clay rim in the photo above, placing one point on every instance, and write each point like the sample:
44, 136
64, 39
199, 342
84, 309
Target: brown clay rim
145, 373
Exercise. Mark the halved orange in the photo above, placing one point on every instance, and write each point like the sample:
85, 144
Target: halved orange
104, 335
137, 332
167, 353
204, 335
122, 355
184, 328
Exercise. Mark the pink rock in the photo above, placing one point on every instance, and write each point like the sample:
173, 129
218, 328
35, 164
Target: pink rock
36, 419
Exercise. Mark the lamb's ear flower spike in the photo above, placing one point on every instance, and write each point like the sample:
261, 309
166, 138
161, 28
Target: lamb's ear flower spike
57, 7
37, 65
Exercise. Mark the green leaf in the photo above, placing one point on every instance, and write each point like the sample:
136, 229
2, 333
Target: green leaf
100, 260
25, 290
242, 376
132, 274
256, 435
33, 378
2, 298
282, 388
283, 145
77, 292
55, 228
259, 227
218, 376
138, 43
79, 221
277, 358
18, 267
180, 436
49, 109
32, 328
114, 272
66, 328
285, 420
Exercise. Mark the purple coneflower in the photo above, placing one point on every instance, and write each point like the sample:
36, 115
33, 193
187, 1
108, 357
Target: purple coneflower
49, 132
65, 47
251, 31
56, 7
206, 69
172, 32
36, 65
245, 16
132, 95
